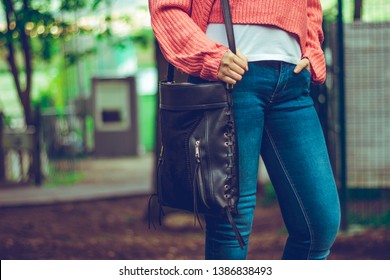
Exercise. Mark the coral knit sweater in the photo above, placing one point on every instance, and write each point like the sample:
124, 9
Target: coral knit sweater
180, 25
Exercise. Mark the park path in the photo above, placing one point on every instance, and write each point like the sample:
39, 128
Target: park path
102, 178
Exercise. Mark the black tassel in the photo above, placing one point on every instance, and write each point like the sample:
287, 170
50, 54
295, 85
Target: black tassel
160, 215
195, 194
235, 229
158, 179
150, 211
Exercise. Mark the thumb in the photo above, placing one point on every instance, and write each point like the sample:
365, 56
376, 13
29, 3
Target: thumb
303, 63
298, 68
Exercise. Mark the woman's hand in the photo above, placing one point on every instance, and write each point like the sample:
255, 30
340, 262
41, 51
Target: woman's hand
232, 67
304, 63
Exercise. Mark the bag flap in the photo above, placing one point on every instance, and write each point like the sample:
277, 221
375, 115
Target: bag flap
188, 96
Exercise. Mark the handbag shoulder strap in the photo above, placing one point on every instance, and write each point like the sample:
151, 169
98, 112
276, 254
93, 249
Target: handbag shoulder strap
227, 17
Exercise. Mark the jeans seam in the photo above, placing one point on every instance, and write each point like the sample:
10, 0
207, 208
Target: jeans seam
278, 91
274, 92
273, 144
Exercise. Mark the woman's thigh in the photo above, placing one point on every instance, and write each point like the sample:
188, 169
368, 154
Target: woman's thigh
295, 153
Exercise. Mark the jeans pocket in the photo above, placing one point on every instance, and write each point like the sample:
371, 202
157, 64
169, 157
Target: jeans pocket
306, 72
306, 77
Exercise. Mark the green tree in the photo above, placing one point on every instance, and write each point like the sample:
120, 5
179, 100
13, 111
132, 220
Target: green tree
31, 27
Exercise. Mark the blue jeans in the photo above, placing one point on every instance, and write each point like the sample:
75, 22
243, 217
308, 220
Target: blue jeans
275, 117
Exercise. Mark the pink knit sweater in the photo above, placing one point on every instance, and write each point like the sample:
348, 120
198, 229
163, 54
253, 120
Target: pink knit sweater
180, 25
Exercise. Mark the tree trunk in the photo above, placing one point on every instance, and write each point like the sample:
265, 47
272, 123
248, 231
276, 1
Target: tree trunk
2, 153
25, 100
358, 10
24, 94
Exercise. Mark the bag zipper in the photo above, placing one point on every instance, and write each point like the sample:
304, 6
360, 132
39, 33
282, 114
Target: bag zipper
199, 173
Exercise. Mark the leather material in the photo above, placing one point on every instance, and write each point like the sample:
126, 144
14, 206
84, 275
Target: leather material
198, 165
227, 18
209, 120
187, 96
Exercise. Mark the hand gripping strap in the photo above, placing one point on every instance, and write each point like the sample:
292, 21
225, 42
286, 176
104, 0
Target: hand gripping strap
227, 17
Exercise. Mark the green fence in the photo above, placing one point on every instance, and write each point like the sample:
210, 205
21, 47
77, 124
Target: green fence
357, 50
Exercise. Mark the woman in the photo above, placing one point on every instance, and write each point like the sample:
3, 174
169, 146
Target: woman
280, 53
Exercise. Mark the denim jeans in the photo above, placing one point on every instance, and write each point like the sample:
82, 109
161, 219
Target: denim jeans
275, 117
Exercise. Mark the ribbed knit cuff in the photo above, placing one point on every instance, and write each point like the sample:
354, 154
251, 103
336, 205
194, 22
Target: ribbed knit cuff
211, 64
317, 65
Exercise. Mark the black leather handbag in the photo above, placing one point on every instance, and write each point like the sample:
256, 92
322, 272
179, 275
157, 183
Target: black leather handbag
198, 165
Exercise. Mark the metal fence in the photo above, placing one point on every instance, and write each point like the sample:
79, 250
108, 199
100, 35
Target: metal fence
63, 142
44, 153
21, 156
358, 115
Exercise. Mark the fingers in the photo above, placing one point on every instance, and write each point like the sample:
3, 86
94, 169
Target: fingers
232, 67
302, 64
242, 61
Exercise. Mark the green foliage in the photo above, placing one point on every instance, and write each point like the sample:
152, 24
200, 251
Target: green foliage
329, 10
71, 58
368, 207
62, 178
372, 10
44, 100
6, 120
35, 31
43, 23
143, 37
37, 38
51, 94
376, 220
269, 195
71, 5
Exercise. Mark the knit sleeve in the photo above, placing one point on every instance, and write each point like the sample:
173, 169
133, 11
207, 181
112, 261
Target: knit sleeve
182, 42
315, 37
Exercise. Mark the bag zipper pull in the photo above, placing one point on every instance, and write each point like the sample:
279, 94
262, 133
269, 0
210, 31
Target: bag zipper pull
197, 153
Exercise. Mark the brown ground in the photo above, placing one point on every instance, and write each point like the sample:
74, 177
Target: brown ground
118, 229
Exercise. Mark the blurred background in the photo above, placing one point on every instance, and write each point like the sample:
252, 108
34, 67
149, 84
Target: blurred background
79, 133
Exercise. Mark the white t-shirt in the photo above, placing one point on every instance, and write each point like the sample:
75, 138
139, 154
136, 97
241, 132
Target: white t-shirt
259, 42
